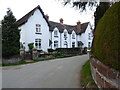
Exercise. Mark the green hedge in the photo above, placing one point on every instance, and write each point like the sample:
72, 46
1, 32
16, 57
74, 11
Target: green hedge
69, 50
106, 45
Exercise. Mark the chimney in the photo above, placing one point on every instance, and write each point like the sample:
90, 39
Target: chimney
47, 17
61, 20
78, 26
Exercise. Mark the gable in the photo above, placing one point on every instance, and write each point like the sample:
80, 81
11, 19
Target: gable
25, 18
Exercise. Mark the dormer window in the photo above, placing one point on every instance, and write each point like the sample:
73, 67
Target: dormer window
65, 35
73, 36
38, 28
55, 33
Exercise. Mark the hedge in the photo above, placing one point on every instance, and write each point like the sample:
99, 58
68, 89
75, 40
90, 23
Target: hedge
106, 45
69, 50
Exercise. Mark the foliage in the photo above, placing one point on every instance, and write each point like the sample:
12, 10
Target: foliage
81, 4
40, 51
106, 42
50, 50
69, 50
10, 35
84, 50
86, 76
100, 10
31, 46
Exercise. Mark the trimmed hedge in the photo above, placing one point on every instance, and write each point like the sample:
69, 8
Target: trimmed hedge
69, 50
106, 45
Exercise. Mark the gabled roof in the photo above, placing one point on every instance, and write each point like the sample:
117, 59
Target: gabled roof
26, 17
69, 28
83, 27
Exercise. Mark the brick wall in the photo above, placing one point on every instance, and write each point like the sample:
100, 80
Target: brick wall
104, 76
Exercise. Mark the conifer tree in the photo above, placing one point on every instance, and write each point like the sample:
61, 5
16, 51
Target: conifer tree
10, 35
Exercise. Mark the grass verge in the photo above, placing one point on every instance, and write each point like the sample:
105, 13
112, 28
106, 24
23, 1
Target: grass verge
86, 77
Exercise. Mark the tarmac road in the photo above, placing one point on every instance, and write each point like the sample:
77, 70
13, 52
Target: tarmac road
57, 73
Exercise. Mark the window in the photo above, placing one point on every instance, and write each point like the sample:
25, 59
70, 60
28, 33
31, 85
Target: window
65, 35
89, 44
38, 28
55, 44
89, 36
38, 43
73, 44
80, 44
66, 44
73, 36
55, 33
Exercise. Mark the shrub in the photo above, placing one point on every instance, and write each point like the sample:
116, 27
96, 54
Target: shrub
84, 50
31, 46
39, 50
107, 38
50, 50
69, 50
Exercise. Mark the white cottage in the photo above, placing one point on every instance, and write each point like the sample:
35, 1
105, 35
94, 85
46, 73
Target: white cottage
36, 28
68, 36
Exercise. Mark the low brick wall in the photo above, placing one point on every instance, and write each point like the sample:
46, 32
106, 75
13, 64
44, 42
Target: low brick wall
104, 76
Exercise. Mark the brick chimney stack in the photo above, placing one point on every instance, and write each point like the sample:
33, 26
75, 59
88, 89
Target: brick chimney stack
78, 26
47, 17
61, 20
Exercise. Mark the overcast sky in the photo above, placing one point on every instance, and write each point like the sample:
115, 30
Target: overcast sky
53, 8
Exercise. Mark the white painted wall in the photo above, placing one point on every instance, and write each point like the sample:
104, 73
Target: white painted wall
55, 38
63, 39
28, 34
28, 31
84, 36
73, 40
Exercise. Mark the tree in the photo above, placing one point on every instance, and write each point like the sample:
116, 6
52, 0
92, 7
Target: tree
10, 35
100, 10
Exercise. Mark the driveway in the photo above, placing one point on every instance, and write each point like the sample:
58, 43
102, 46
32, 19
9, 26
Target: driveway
57, 73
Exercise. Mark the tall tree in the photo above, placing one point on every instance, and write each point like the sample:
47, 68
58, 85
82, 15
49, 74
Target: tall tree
100, 10
10, 35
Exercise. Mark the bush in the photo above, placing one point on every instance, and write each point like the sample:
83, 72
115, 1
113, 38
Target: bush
39, 50
69, 50
107, 38
84, 50
31, 46
50, 50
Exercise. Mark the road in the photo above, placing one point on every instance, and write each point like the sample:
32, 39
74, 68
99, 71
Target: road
57, 73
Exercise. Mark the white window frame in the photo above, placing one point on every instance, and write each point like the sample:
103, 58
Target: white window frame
73, 44
73, 36
65, 35
38, 28
89, 44
38, 43
55, 33
89, 36
55, 44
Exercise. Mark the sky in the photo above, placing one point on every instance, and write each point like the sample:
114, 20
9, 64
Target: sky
54, 8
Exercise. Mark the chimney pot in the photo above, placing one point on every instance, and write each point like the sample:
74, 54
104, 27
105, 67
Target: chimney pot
61, 20
78, 26
47, 17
